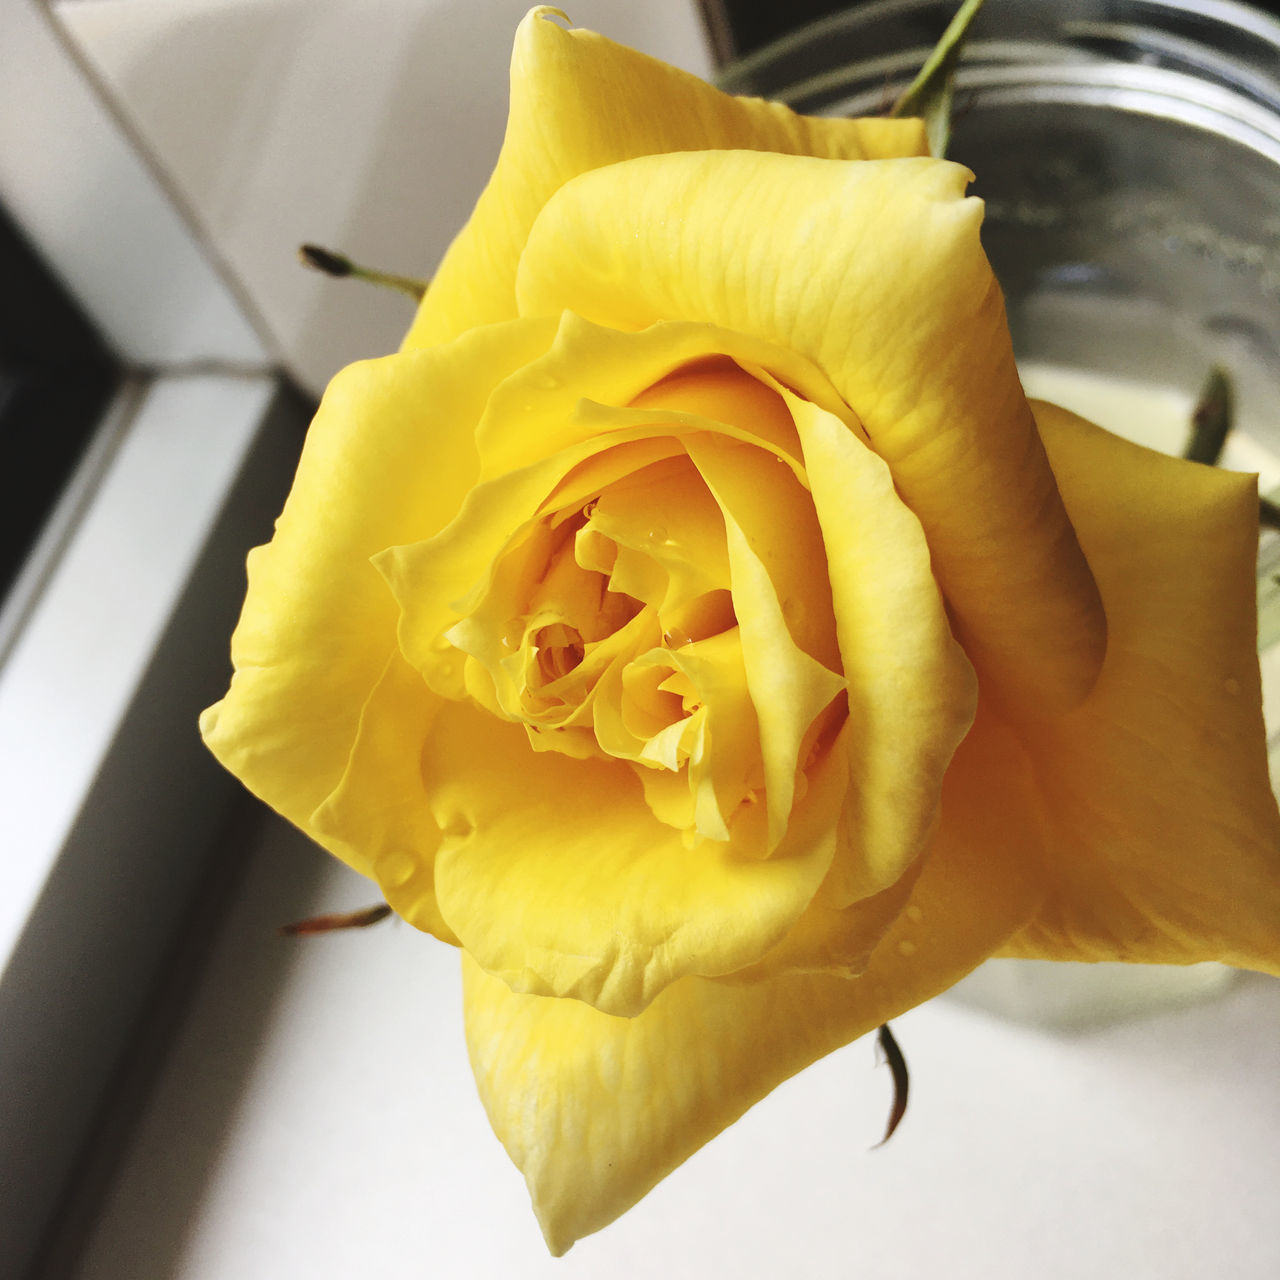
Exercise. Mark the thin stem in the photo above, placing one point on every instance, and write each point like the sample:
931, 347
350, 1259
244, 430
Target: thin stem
340, 266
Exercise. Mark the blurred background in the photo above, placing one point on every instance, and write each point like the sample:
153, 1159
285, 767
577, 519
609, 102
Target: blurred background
182, 1092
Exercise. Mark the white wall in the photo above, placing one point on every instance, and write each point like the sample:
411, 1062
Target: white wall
365, 125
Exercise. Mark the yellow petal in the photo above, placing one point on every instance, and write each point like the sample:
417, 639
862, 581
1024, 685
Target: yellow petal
387, 459
678, 367
664, 519
380, 806
911, 691
773, 562
595, 1110
599, 406
1164, 842
874, 272
578, 101
721, 774
837, 933
556, 877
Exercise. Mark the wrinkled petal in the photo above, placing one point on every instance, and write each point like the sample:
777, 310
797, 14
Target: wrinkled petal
388, 459
579, 101
557, 878
1163, 840
875, 273
595, 1110
678, 367
911, 691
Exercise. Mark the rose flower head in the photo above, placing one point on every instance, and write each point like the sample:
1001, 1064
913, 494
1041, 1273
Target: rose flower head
695, 624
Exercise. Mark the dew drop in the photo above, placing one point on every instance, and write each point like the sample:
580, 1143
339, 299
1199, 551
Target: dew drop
397, 868
513, 634
547, 381
794, 612
906, 948
657, 534
914, 914
676, 638
457, 825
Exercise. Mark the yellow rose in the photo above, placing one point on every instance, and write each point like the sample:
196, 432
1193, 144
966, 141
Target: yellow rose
695, 623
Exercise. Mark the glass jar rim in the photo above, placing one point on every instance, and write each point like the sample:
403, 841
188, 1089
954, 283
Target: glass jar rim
1207, 64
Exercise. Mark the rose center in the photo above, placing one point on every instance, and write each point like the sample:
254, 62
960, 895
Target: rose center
559, 649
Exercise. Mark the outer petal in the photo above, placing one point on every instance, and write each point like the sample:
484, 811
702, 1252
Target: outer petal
579, 101
596, 1110
380, 806
873, 271
387, 459
556, 877
1164, 843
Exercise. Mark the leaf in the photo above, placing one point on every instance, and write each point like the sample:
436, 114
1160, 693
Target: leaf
930, 94
1212, 418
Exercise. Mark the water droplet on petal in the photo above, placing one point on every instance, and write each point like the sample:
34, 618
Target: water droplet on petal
914, 914
657, 534
513, 634
396, 869
457, 825
906, 948
794, 611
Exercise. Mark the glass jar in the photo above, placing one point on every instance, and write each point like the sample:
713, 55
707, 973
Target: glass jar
1129, 155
